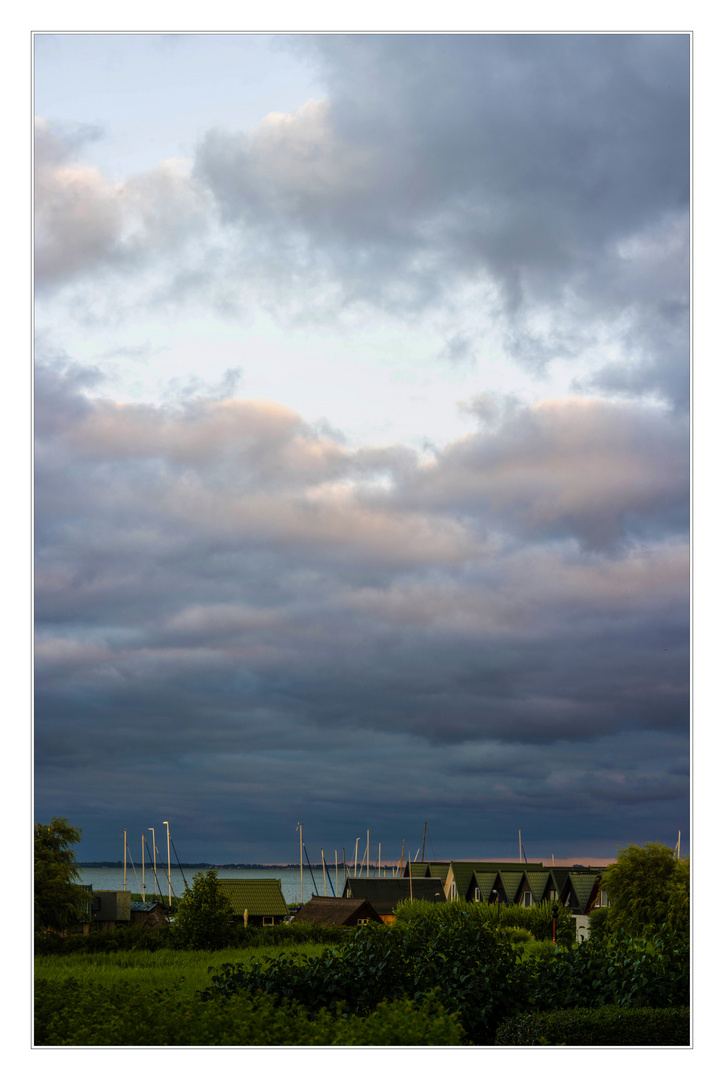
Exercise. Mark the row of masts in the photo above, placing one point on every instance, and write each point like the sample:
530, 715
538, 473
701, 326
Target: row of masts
144, 850
398, 868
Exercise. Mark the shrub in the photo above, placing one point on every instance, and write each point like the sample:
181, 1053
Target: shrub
618, 970
475, 970
598, 923
69, 1014
537, 919
103, 941
205, 915
605, 1026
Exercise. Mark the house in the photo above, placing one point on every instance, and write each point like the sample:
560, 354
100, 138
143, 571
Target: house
337, 911
581, 891
110, 908
260, 898
384, 894
506, 880
148, 913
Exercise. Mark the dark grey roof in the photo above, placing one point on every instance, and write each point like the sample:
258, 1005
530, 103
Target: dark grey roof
141, 905
386, 893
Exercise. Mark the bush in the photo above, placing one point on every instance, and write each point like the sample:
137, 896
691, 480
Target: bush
475, 970
205, 917
598, 923
70, 1014
618, 970
103, 941
538, 919
606, 1026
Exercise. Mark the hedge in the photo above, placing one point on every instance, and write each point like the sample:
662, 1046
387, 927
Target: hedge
606, 1026
68, 1013
140, 937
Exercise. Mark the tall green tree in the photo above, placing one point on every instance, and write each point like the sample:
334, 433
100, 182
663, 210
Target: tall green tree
60, 902
204, 919
648, 887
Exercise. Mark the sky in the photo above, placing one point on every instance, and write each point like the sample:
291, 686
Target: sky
362, 442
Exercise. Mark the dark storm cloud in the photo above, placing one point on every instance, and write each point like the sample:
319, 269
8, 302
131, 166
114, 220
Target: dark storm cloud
232, 610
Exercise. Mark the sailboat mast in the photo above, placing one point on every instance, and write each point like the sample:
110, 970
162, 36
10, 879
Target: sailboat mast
424, 834
168, 857
143, 867
125, 849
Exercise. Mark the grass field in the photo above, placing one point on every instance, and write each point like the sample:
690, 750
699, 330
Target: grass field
171, 968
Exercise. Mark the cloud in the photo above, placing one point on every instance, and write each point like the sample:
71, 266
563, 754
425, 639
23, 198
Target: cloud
543, 177
85, 224
218, 583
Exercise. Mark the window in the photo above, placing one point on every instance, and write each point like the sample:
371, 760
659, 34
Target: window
527, 899
477, 894
268, 920
362, 922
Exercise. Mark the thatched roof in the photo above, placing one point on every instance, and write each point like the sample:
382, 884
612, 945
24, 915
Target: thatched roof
336, 911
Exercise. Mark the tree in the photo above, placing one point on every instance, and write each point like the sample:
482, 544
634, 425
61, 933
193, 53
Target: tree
205, 916
647, 888
60, 901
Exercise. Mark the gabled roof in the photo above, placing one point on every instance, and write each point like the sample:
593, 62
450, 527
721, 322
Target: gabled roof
463, 872
485, 881
336, 911
560, 876
386, 893
537, 881
582, 884
511, 880
427, 869
258, 896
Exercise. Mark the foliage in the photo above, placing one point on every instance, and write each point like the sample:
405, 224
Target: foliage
647, 887
537, 919
605, 1026
139, 937
122, 939
70, 1014
60, 902
474, 968
598, 925
205, 917
617, 970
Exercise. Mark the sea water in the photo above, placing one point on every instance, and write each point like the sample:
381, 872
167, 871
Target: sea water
111, 878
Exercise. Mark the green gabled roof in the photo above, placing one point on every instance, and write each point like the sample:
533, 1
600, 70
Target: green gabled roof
538, 880
427, 869
463, 872
511, 880
485, 881
560, 876
582, 885
258, 896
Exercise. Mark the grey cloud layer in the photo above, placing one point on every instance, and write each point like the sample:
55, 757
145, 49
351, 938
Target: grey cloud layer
549, 174
217, 582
